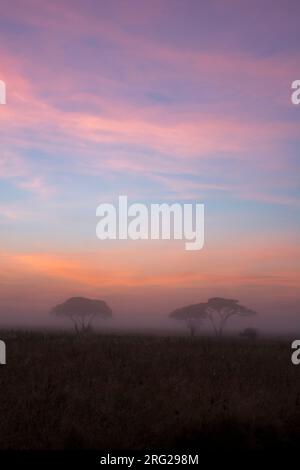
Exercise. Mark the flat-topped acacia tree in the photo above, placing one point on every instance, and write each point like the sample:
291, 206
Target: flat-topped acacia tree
219, 311
192, 315
82, 311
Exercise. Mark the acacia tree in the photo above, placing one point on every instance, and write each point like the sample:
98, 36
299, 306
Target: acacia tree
82, 311
192, 315
219, 311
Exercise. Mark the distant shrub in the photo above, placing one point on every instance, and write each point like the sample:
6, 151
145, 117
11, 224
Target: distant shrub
249, 333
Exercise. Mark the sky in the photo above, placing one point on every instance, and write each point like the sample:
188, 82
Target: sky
164, 101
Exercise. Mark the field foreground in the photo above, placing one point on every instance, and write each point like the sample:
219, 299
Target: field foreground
59, 391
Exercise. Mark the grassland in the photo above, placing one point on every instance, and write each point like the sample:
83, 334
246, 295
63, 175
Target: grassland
59, 391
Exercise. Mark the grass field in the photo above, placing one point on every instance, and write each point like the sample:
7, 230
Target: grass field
59, 391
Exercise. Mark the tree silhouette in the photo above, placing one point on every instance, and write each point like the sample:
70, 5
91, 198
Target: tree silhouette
191, 315
82, 311
219, 311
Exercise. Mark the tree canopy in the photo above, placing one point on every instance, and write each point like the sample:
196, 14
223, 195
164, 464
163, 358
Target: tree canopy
217, 310
81, 311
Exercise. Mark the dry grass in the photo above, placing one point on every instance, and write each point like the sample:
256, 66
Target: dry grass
137, 392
